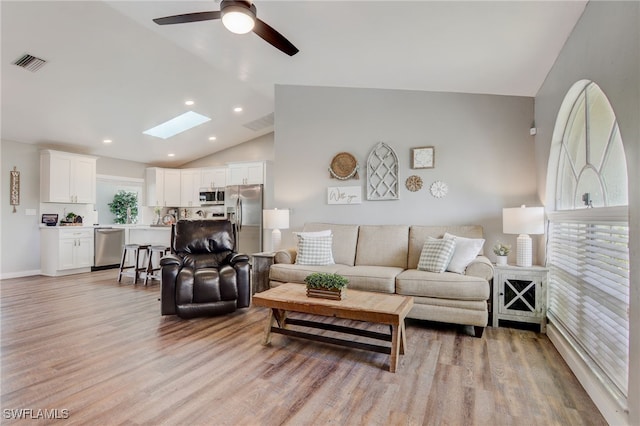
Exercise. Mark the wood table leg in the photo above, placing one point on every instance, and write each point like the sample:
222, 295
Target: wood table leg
267, 330
395, 347
403, 337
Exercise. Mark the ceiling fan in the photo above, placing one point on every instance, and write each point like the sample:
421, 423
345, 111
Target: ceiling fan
239, 17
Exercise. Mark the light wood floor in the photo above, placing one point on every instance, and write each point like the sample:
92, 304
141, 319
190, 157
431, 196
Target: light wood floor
102, 351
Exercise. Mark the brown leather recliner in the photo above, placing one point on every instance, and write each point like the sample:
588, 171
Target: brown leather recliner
203, 275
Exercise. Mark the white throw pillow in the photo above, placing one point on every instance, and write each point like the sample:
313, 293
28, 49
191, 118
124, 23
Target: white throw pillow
313, 234
315, 250
467, 249
436, 254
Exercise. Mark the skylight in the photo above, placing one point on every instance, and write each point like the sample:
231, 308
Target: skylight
177, 125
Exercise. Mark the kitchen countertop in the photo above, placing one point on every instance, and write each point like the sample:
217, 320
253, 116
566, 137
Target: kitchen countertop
115, 225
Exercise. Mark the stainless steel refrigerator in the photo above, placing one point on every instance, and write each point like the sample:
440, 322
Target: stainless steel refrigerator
243, 205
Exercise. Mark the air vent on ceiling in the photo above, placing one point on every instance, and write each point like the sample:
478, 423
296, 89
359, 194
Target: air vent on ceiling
29, 62
260, 123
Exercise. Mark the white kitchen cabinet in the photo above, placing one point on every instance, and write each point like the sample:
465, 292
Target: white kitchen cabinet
245, 173
65, 251
162, 187
213, 177
189, 187
67, 178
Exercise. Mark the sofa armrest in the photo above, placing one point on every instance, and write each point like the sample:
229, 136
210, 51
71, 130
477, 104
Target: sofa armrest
286, 256
480, 267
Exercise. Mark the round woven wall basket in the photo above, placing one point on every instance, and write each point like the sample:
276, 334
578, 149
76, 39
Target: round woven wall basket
344, 166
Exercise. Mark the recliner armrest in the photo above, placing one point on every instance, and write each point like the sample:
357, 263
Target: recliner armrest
235, 258
170, 259
480, 267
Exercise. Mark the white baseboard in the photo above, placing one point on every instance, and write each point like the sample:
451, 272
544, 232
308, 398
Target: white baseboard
19, 274
602, 398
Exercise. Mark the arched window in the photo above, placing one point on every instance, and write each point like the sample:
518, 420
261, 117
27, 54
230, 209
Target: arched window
588, 243
592, 169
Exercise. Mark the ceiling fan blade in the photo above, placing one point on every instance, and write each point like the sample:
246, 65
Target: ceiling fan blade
187, 17
274, 38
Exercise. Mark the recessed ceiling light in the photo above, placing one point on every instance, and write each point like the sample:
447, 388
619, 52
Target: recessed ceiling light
177, 125
212, 138
171, 155
107, 141
237, 109
189, 102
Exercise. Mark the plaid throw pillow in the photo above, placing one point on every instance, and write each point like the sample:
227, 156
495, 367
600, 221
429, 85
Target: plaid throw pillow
314, 250
436, 255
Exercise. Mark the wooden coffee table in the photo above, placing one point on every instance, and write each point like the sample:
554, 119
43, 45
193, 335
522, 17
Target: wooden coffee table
379, 308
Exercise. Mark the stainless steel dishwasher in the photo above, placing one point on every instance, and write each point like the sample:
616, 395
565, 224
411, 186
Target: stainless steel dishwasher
107, 247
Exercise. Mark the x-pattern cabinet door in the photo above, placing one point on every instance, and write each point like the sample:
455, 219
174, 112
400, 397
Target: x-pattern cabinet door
520, 295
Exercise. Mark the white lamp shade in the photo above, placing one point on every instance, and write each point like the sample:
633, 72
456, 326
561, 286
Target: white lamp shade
276, 219
523, 220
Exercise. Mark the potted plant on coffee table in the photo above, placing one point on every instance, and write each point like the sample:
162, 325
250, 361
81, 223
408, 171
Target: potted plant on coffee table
326, 286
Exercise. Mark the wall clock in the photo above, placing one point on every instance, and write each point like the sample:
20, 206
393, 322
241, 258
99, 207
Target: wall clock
439, 189
414, 183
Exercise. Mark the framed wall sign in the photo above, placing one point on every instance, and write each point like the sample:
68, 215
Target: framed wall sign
14, 190
344, 195
423, 157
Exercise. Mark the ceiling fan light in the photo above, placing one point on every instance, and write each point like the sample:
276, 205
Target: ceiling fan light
238, 20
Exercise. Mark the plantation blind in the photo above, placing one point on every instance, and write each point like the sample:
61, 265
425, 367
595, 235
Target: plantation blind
588, 260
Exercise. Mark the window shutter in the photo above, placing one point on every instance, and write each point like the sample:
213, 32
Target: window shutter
588, 260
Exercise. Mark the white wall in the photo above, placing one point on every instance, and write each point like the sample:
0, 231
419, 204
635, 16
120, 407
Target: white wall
19, 235
605, 48
483, 151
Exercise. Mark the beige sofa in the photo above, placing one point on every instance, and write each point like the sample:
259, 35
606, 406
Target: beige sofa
384, 258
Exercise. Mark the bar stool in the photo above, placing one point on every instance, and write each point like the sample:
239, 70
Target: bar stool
135, 249
150, 271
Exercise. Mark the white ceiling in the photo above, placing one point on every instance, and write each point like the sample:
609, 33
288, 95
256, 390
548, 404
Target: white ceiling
112, 72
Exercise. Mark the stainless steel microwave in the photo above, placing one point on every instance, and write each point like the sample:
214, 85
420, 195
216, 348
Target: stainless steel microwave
211, 196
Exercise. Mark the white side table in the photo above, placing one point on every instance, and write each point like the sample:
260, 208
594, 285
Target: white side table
520, 295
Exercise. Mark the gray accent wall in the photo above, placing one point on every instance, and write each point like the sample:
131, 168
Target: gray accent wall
604, 47
483, 151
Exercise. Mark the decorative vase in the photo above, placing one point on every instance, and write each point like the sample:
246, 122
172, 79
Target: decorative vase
501, 260
326, 293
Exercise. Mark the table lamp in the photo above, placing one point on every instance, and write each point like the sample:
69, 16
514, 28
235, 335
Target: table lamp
276, 219
523, 221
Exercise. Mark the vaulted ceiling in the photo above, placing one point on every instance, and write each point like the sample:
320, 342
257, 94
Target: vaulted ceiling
112, 73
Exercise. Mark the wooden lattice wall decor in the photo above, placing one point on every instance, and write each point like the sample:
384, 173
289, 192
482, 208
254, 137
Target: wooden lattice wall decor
382, 173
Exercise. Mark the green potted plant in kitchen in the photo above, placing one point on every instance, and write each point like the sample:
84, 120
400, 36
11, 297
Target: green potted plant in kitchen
326, 286
124, 202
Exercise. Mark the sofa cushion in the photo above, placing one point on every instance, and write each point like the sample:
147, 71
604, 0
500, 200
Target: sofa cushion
419, 234
314, 250
371, 278
465, 252
345, 238
436, 254
447, 285
383, 245
284, 272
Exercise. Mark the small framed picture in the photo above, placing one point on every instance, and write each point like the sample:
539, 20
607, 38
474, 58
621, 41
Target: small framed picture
49, 219
423, 157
